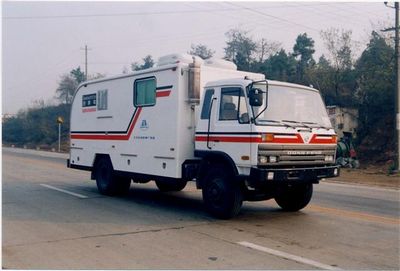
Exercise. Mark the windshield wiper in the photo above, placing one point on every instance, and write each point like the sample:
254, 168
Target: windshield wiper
280, 122
317, 125
297, 122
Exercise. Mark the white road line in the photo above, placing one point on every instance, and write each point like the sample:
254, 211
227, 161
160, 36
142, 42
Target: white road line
288, 256
64, 191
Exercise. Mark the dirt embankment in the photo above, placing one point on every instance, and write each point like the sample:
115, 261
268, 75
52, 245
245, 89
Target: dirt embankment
373, 176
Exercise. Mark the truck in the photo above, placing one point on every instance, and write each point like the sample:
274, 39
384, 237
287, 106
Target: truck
237, 135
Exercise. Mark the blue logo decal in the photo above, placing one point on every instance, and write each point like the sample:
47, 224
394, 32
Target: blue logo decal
144, 125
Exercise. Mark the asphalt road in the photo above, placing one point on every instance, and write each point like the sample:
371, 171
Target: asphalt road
54, 218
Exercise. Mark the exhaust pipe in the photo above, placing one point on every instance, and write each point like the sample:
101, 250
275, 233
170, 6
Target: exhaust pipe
194, 82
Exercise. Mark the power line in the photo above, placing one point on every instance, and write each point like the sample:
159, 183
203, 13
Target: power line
121, 14
240, 8
272, 16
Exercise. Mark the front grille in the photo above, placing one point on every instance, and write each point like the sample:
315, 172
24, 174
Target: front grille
291, 155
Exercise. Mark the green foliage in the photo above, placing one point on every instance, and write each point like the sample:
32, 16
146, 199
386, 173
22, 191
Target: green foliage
68, 85
66, 89
303, 50
148, 62
376, 93
201, 50
341, 75
78, 75
37, 126
240, 48
280, 66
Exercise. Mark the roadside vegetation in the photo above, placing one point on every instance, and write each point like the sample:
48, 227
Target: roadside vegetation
366, 83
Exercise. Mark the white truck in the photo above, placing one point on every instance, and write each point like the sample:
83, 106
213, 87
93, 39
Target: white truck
238, 136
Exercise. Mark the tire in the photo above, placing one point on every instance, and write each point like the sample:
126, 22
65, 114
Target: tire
222, 196
107, 183
296, 197
123, 185
167, 186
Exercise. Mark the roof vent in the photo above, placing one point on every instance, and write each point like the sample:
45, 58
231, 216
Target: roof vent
220, 63
178, 58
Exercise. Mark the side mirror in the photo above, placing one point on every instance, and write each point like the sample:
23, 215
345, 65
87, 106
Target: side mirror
256, 97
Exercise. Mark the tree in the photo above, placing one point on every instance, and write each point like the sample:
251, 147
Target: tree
68, 85
339, 45
321, 76
266, 48
37, 125
66, 89
303, 50
240, 48
201, 50
376, 93
148, 62
78, 75
280, 66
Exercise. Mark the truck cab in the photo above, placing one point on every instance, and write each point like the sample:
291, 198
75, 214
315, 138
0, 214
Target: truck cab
262, 140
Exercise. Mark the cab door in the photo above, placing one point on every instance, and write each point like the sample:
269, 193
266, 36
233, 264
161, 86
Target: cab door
230, 129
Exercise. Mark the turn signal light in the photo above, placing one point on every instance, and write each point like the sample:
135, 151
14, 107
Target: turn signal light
334, 138
267, 137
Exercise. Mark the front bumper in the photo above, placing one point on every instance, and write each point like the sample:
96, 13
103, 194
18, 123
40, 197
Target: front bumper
264, 176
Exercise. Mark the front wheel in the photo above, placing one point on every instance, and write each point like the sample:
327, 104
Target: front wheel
295, 197
222, 196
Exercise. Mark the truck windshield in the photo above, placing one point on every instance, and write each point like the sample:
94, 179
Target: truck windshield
293, 107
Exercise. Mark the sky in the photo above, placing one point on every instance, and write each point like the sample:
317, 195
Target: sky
41, 41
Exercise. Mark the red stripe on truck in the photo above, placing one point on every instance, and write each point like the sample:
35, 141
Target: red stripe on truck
163, 93
237, 139
102, 136
110, 137
323, 139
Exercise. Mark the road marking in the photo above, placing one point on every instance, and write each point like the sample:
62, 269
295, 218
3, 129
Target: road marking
64, 191
352, 214
288, 256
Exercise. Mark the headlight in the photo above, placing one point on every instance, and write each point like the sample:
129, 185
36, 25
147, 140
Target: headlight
262, 159
273, 159
329, 158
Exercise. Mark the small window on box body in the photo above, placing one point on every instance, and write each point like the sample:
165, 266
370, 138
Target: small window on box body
144, 92
102, 100
89, 100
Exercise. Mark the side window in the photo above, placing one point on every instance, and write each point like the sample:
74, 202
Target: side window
205, 111
233, 105
144, 92
102, 99
89, 100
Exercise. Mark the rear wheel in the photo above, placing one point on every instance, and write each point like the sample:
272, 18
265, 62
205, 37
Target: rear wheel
166, 186
295, 197
222, 196
107, 182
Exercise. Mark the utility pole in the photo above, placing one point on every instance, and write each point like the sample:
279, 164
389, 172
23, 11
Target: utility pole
86, 62
396, 5
397, 66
